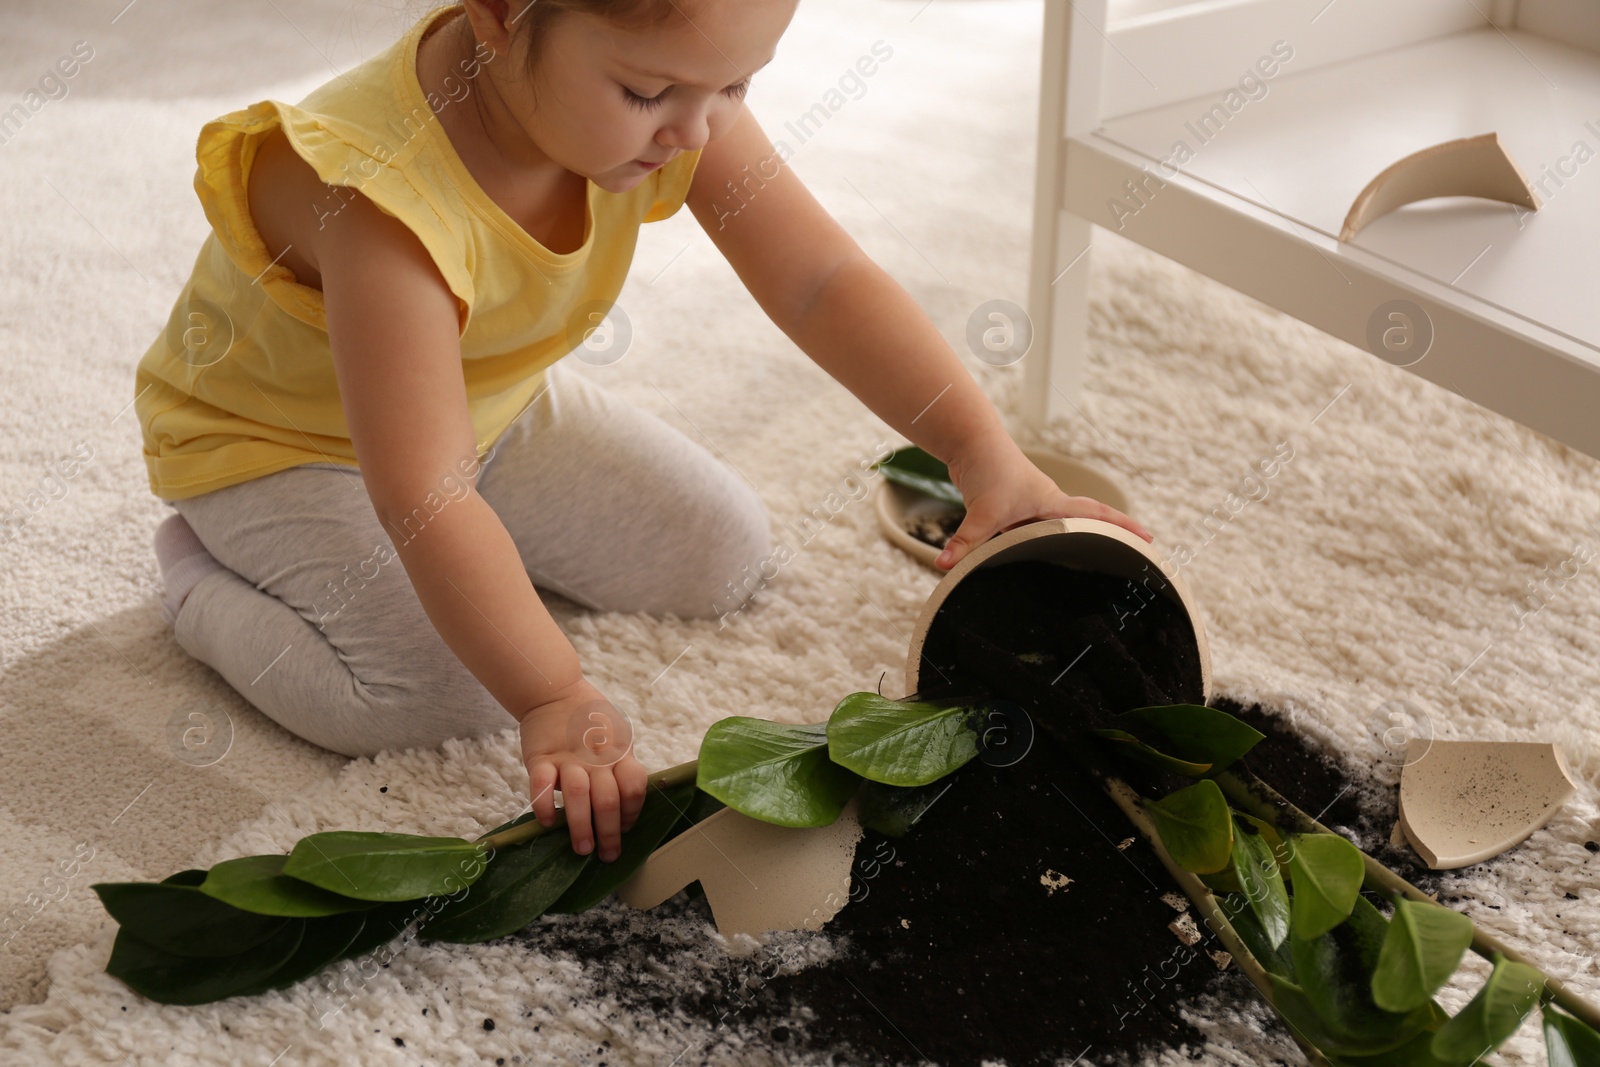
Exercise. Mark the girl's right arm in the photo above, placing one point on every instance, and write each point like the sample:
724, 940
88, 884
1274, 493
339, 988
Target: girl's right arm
392, 326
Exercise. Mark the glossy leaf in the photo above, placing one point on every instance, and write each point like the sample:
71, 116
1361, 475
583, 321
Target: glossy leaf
385, 866
1271, 835
179, 919
521, 882
776, 772
1195, 827
1223, 881
1274, 959
1421, 951
1257, 870
916, 469
1291, 1002
1130, 745
1194, 732
663, 809
325, 940
701, 806
1417, 1051
1511, 991
384, 923
893, 810
258, 884
1570, 1042
168, 978
1335, 972
900, 742
1325, 871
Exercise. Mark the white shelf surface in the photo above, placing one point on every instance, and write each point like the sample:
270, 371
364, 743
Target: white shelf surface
1305, 150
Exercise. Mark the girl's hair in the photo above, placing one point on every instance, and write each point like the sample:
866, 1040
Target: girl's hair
532, 20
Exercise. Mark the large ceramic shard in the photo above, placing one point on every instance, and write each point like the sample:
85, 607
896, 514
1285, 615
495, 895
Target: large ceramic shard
757, 876
1462, 802
1470, 166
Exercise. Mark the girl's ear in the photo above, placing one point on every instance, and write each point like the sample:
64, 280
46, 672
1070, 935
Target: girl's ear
490, 21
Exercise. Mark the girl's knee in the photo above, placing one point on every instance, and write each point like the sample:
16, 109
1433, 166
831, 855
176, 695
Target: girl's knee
734, 561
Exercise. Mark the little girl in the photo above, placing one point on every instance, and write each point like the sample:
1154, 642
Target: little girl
362, 370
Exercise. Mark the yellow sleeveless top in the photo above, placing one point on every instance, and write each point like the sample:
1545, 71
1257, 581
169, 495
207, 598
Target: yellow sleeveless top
241, 383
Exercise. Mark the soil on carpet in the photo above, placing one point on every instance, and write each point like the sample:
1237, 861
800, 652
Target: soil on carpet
1022, 919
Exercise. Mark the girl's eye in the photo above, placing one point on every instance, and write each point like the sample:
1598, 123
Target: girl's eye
650, 103
643, 103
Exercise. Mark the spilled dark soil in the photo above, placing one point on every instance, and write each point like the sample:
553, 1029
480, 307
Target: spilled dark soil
1021, 919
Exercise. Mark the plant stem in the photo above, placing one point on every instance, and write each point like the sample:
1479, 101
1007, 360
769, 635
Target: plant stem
1266, 803
682, 774
1132, 806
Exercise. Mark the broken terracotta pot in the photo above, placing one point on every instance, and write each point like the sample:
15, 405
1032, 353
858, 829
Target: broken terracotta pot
1086, 544
761, 877
1462, 802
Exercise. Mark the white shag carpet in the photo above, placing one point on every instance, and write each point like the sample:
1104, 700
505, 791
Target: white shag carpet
1388, 560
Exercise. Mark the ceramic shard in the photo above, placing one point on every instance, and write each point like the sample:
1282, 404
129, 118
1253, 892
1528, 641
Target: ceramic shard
757, 876
1462, 802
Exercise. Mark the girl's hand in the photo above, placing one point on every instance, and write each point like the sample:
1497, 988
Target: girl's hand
1002, 489
581, 744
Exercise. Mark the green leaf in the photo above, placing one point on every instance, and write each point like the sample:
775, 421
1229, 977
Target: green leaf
1274, 959
701, 806
1509, 993
1270, 835
1196, 733
1326, 872
521, 882
1416, 1052
1335, 970
1130, 745
1420, 952
385, 866
179, 919
1570, 1042
1223, 881
169, 978
258, 884
1195, 827
1257, 870
326, 939
916, 469
776, 772
901, 742
893, 810
384, 923
1291, 1002
663, 809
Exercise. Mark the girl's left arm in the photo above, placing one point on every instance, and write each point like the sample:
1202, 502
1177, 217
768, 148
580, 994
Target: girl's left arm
858, 324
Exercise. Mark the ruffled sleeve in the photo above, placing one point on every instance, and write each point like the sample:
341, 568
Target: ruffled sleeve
226, 150
672, 186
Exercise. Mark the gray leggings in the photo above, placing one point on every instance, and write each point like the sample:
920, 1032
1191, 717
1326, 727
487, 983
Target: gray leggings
608, 505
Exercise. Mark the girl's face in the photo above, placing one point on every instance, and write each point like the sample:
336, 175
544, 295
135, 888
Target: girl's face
604, 102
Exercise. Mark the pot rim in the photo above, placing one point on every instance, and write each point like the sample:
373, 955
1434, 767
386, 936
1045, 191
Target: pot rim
1020, 535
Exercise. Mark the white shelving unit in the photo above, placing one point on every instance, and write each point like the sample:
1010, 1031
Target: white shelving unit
1251, 188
